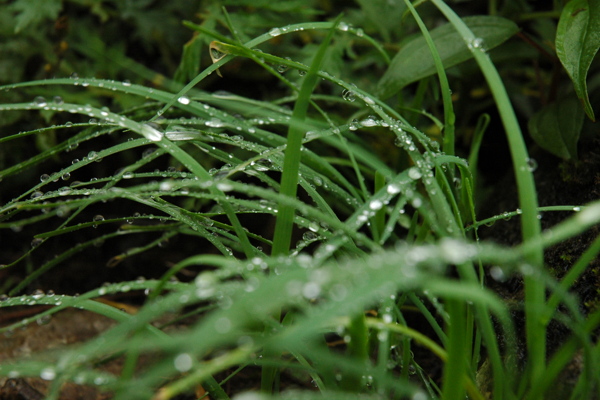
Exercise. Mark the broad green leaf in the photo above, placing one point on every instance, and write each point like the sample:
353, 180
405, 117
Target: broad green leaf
577, 42
556, 128
414, 60
189, 66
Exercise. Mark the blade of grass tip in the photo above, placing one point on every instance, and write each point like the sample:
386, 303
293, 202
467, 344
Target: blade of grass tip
449, 116
291, 163
530, 225
289, 178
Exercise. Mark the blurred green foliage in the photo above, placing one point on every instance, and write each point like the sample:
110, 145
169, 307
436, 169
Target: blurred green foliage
145, 42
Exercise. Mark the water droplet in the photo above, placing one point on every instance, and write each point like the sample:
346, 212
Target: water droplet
183, 362
281, 68
301, 72
497, 273
151, 133
98, 218
369, 121
275, 32
36, 242
183, 100
92, 155
457, 183
342, 26
476, 43
311, 290
576, 209
348, 95
44, 177
531, 164
418, 395
310, 236
393, 189
126, 82
414, 173
48, 374
148, 152
66, 176
416, 202
214, 123
40, 101
58, 100
224, 186
375, 205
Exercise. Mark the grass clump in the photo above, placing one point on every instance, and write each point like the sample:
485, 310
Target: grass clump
322, 238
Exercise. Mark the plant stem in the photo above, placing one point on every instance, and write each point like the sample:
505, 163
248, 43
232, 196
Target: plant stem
530, 225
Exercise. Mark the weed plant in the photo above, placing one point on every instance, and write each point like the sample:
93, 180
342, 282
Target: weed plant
299, 230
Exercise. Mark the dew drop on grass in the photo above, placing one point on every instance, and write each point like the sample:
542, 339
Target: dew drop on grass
183, 362
48, 374
214, 123
97, 218
418, 395
310, 236
128, 175
342, 26
36, 242
66, 176
44, 177
275, 32
497, 273
151, 133
224, 187
414, 173
348, 95
476, 43
148, 152
375, 205
282, 68
393, 189
311, 290
416, 202
369, 121
40, 101
183, 100
576, 209
58, 100
531, 164
126, 82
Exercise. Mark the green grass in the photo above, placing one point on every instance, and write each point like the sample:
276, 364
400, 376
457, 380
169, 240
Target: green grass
359, 243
